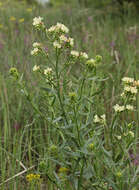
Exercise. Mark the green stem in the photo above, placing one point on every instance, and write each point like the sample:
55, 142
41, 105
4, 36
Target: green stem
81, 175
58, 87
77, 127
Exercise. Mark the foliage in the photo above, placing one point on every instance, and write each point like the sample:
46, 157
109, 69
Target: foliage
78, 135
39, 150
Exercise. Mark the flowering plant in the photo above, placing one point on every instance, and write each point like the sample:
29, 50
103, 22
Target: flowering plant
84, 149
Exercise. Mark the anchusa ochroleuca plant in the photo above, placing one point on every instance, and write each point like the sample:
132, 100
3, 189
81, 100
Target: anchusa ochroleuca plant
85, 148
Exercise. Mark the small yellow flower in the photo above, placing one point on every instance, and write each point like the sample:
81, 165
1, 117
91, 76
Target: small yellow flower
12, 18
32, 177
91, 146
119, 174
21, 20
29, 9
72, 96
63, 170
1, 26
53, 150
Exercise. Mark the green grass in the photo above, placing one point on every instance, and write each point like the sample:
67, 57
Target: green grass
38, 133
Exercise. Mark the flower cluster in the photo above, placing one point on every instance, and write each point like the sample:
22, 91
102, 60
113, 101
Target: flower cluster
63, 170
53, 150
38, 23
33, 177
14, 73
93, 63
75, 54
126, 134
58, 28
63, 41
37, 48
82, 55
130, 88
36, 68
100, 119
119, 108
91, 146
57, 34
48, 74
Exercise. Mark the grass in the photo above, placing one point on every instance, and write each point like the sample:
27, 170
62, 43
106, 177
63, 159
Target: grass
43, 130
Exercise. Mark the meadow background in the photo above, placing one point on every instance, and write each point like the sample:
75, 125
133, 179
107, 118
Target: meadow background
26, 139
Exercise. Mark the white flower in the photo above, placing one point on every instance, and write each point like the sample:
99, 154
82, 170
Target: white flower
36, 45
62, 27
103, 117
131, 89
56, 44
51, 29
129, 107
119, 137
122, 94
127, 88
75, 53
136, 83
71, 42
96, 119
125, 134
84, 55
48, 71
63, 38
128, 80
100, 119
131, 134
91, 63
58, 28
37, 21
118, 108
35, 51
35, 68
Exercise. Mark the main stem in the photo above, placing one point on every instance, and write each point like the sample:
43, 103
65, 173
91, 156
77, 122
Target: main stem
58, 86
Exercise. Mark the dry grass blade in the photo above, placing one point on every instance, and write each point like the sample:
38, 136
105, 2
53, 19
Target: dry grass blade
18, 174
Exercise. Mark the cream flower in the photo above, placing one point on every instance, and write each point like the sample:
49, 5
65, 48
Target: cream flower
36, 45
131, 89
37, 21
63, 38
84, 55
35, 51
129, 107
51, 29
75, 53
35, 68
118, 108
58, 28
96, 119
119, 137
71, 42
136, 83
128, 80
48, 71
101, 119
131, 134
62, 27
56, 44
